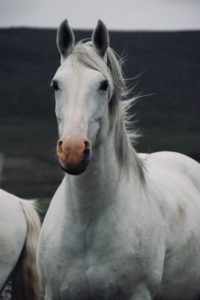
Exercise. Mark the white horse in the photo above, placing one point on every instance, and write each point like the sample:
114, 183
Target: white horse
127, 226
19, 232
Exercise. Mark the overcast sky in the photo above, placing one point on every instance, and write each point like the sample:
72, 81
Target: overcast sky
117, 14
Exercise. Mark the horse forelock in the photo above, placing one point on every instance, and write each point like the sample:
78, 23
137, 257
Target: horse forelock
119, 104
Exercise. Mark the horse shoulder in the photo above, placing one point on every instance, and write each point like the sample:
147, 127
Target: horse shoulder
50, 232
173, 185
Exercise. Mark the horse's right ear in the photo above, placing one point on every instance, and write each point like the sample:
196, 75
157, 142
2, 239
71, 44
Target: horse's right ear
65, 39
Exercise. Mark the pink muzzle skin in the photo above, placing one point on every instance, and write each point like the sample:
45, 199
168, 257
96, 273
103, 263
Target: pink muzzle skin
73, 154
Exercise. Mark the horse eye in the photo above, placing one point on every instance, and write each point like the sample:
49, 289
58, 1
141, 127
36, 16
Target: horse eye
103, 85
54, 85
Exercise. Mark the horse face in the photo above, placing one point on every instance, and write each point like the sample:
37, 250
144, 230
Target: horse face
81, 101
81, 96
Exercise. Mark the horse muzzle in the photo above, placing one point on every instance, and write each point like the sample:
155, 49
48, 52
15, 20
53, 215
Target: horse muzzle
74, 154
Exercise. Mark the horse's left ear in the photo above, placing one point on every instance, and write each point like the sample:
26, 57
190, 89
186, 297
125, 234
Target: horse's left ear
100, 38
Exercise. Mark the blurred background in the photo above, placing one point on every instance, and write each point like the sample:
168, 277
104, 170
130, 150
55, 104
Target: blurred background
160, 42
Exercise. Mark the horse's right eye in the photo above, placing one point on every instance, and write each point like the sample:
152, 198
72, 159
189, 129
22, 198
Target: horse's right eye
54, 85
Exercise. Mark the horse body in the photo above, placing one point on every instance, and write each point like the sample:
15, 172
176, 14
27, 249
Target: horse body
11, 214
127, 227
19, 231
106, 254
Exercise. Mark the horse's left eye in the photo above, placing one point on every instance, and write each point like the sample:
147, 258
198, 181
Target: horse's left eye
103, 85
54, 85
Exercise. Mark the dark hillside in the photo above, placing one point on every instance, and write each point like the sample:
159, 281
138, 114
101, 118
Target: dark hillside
169, 64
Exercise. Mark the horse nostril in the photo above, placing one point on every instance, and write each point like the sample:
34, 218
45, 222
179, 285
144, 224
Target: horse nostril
59, 143
86, 156
87, 145
59, 147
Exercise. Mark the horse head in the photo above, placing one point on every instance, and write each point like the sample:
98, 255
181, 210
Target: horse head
82, 87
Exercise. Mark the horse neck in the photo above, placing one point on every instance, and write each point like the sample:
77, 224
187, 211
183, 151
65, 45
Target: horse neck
102, 172
98, 187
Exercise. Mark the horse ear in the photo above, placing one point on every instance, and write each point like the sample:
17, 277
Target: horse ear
100, 38
65, 39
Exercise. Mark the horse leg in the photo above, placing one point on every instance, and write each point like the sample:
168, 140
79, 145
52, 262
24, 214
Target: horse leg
141, 293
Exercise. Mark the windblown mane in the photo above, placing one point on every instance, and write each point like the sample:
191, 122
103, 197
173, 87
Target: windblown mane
119, 104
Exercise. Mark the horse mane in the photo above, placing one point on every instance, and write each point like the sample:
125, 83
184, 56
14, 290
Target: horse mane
119, 103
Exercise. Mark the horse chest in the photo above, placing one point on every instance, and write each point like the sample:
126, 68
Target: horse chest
93, 283
101, 259
97, 265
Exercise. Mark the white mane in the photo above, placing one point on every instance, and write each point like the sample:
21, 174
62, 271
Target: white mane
119, 104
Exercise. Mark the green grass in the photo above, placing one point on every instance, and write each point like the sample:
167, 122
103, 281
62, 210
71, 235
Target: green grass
43, 205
